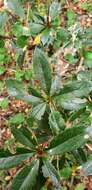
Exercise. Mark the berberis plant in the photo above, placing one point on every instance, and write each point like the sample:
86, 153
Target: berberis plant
54, 132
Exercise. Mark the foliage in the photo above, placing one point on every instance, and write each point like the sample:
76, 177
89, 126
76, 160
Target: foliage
50, 138
45, 106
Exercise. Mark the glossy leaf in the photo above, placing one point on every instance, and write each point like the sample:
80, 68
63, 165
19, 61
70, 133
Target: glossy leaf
67, 141
80, 155
56, 122
15, 87
26, 178
14, 160
68, 146
15, 7
56, 86
3, 19
54, 10
78, 88
70, 102
38, 111
42, 70
34, 92
50, 171
22, 138
67, 134
17, 90
36, 28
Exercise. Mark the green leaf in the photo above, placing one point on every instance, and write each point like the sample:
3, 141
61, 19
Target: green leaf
26, 178
2, 70
72, 59
15, 7
84, 76
14, 160
4, 153
54, 10
67, 134
56, 22
21, 137
2, 43
88, 55
56, 86
38, 111
31, 99
80, 155
68, 146
20, 56
66, 172
78, 88
36, 28
17, 89
28, 74
17, 119
71, 16
22, 41
44, 188
88, 63
37, 18
4, 103
56, 122
19, 74
34, 92
80, 186
22, 150
42, 70
88, 58
3, 19
67, 141
86, 6
50, 171
70, 102
45, 36
17, 29
1, 86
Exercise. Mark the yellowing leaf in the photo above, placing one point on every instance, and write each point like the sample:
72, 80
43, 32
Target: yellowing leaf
37, 39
